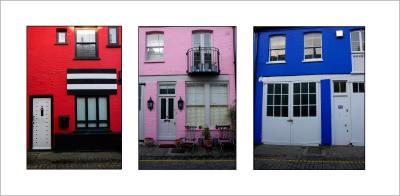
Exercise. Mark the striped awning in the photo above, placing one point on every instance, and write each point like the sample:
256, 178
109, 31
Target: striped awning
91, 81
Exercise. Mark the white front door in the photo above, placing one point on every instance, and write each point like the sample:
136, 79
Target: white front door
166, 111
341, 122
291, 113
141, 111
41, 123
357, 113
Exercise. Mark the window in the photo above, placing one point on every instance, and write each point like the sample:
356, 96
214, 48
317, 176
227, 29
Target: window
219, 105
207, 100
339, 86
167, 89
357, 41
112, 36
92, 112
61, 36
312, 46
155, 46
304, 99
358, 87
277, 100
202, 54
86, 43
277, 46
195, 105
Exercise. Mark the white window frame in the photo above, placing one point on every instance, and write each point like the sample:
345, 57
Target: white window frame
270, 49
361, 41
159, 46
340, 93
304, 54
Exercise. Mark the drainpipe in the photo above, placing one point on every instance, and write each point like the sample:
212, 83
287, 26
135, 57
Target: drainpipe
234, 54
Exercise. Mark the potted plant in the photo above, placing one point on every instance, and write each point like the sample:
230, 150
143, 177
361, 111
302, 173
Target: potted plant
207, 137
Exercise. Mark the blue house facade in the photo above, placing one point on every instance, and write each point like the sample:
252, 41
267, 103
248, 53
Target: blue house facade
309, 85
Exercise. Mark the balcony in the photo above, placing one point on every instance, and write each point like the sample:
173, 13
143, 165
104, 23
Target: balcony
203, 61
358, 62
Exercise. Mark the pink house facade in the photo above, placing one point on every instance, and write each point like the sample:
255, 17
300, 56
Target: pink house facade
186, 78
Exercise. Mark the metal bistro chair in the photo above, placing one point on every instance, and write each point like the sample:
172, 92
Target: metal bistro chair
225, 137
190, 137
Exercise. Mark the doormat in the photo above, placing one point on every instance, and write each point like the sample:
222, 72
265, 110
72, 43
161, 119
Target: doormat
177, 150
167, 146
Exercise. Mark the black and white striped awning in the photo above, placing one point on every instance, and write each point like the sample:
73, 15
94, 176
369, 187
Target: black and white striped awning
91, 81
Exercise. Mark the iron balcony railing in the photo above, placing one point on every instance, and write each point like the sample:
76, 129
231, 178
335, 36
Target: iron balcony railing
203, 60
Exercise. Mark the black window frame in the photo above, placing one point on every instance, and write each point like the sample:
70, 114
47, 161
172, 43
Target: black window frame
96, 57
61, 30
109, 44
97, 121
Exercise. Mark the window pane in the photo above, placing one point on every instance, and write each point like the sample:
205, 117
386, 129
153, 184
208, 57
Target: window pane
171, 91
336, 87
308, 42
219, 94
304, 87
296, 99
155, 40
277, 99
92, 125
273, 56
61, 37
281, 55
170, 108
270, 111
296, 110
207, 39
285, 111
195, 94
355, 36
277, 111
155, 53
308, 53
296, 88
270, 100
270, 89
318, 53
285, 89
277, 88
80, 108
277, 42
285, 99
355, 87
312, 98
163, 108
85, 35
355, 46
312, 87
195, 115
92, 108
103, 124
304, 110
313, 110
163, 91
86, 50
103, 108
219, 115
304, 99
81, 125
361, 87
317, 42
112, 35
342, 87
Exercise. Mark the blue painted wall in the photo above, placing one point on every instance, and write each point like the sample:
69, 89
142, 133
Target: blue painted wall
336, 52
326, 123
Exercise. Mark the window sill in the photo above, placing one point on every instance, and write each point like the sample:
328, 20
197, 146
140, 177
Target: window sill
156, 61
114, 46
61, 44
86, 58
276, 62
312, 60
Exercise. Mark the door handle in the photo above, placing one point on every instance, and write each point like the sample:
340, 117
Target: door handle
290, 120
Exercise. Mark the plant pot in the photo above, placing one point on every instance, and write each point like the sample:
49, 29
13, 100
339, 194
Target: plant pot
148, 141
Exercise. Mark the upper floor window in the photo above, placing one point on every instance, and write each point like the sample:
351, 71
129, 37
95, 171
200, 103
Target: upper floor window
61, 36
86, 43
357, 41
277, 46
312, 46
202, 54
154, 46
112, 36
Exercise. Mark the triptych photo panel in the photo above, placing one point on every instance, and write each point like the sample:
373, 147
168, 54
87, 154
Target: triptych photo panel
308, 97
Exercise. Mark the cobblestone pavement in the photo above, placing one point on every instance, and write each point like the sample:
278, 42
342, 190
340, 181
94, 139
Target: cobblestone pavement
282, 164
187, 164
281, 157
74, 160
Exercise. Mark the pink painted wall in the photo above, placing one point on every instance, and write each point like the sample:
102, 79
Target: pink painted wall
177, 40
